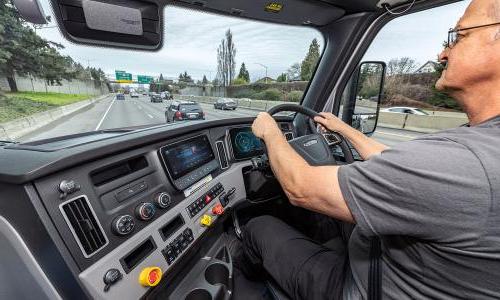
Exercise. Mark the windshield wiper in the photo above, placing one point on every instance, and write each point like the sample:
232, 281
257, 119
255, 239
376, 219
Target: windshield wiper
3, 143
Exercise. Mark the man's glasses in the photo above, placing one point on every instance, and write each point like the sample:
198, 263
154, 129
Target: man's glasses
453, 34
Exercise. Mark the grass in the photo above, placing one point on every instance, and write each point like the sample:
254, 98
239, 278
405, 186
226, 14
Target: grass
56, 99
22, 104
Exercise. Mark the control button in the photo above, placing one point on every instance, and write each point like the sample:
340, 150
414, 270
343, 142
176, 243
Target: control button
150, 276
188, 235
145, 211
123, 225
169, 254
218, 209
67, 187
206, 220
111, 277
208, 198
162, 200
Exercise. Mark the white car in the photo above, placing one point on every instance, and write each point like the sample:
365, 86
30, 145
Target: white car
405, 110
134, 95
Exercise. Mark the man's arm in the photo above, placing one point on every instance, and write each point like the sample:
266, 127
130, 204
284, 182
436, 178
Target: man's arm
314, 188
366, 147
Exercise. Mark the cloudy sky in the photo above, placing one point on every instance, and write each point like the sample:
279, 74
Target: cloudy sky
192, 38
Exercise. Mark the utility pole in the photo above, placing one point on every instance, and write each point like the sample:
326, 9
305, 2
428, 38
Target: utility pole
265, 67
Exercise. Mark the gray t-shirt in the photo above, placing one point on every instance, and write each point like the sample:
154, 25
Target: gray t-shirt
435, 204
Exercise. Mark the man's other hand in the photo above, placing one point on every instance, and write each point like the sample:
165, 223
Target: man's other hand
264, 125
330, 122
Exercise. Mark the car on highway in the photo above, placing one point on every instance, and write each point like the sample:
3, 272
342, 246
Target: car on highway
134, 95
225, 104
184, 110
405, 110
120, 96
166, 95
155, 98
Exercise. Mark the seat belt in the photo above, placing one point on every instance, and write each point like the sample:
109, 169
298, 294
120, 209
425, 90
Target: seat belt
375, 273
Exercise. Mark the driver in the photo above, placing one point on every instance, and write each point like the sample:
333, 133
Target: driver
434, 202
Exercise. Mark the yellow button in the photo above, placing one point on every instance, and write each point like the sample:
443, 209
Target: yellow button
206, 220
150, 276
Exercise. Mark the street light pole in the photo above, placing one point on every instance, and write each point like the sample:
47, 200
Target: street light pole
265, 67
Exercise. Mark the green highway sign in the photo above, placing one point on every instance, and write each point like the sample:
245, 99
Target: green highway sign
144, 79
121, 76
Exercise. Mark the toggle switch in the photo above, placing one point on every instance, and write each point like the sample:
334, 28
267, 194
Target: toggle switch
206, 220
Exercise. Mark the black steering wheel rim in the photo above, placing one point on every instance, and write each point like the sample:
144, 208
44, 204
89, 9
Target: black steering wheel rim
311, 114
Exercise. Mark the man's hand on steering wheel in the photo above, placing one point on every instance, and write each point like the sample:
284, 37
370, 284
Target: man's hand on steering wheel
264, 125
329, 122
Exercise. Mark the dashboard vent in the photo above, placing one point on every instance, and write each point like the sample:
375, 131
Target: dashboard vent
84, 225
221, 150
289, 136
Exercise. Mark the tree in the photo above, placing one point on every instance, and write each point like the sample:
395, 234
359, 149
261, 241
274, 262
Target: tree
282, 77
161, 77
244, 74
226, 63
401, 66
184, 77
293, 72
310, 61
204, 80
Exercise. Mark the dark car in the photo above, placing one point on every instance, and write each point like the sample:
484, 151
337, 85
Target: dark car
155, 98
184, 110
225, 103
120, 96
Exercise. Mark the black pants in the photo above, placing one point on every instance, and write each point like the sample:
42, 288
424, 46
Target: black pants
303, 267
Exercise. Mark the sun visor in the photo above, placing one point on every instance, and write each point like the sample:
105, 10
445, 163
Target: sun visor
114, 23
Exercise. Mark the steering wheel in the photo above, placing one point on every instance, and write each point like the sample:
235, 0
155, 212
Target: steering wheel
315, 148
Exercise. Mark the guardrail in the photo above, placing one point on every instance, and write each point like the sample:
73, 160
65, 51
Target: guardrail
13, 130
435, 122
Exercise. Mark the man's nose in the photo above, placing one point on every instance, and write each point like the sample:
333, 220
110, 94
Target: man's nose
443, 55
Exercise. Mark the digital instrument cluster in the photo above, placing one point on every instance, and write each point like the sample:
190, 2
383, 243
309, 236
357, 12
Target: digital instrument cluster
244, 143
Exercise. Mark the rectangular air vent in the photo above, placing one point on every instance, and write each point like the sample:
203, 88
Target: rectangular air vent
84, 225
289, 136
221, 150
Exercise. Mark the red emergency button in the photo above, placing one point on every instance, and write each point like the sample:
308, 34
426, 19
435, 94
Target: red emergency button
150, 276
218, 209
208, 198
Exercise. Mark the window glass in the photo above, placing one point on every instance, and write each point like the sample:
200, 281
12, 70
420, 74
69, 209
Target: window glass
409, 45
205, 57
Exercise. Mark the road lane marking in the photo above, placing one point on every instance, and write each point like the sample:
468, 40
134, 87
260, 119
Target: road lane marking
105, 114
150, 116
140, 107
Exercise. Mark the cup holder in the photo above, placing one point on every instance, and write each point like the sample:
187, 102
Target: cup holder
199, 294
217, 274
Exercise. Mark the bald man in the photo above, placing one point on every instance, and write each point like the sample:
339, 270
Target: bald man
434, 202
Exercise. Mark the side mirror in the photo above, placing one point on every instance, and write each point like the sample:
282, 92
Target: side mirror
364, 96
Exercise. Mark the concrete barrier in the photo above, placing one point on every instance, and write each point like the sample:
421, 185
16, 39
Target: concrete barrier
432, 123
17, 128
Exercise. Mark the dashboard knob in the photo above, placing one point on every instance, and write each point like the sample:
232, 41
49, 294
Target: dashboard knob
162, 200
123, 225
145, 211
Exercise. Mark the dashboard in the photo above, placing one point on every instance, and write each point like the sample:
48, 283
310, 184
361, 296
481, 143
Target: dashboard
118, 213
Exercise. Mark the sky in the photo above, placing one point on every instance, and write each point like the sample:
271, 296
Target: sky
191, 41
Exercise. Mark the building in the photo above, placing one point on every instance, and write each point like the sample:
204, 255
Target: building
428, 67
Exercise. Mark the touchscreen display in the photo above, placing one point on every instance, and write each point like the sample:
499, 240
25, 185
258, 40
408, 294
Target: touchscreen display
185, 156
244, 143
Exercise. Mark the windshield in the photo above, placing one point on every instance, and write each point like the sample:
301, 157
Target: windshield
68, 88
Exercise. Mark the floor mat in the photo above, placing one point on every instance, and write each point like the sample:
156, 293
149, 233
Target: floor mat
245, 289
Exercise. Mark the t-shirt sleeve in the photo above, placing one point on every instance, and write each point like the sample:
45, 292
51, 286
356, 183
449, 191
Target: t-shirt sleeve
430, 188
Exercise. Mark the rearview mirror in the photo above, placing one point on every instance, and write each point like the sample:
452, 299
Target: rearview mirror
114, 23
366, 92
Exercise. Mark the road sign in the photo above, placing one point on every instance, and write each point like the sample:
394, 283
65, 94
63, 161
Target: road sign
123, 77
144, 79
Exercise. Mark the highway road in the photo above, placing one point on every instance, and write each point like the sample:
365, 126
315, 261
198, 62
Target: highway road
109, 113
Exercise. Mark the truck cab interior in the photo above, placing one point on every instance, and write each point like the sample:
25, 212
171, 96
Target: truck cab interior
149, 212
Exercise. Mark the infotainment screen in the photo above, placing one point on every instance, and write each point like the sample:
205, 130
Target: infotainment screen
185, 156
244, 143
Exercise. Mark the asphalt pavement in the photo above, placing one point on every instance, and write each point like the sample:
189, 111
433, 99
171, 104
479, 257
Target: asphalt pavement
110, 113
